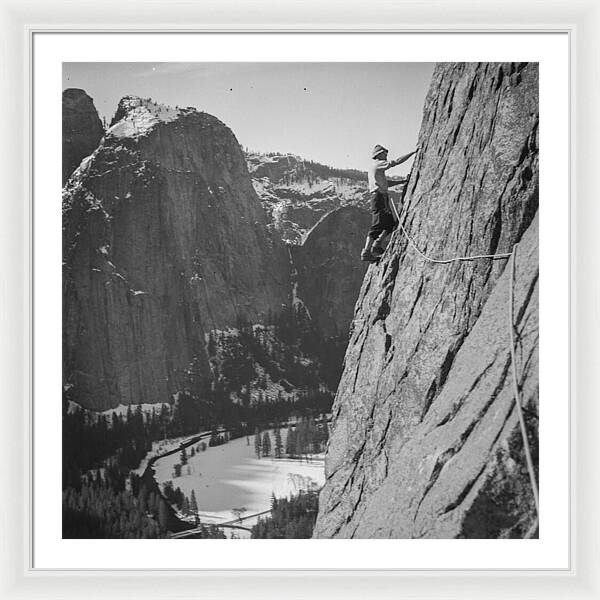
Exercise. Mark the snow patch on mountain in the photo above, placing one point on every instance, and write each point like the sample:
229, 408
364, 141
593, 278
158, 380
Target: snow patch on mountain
141, 115
296, 192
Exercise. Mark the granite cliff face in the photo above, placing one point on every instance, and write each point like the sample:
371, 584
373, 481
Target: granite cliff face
81, 129
425, 439
329, 272
164, 239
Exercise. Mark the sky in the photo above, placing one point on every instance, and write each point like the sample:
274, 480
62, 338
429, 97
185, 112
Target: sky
332, 113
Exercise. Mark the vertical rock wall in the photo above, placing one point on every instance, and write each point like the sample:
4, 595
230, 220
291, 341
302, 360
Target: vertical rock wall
425, 440
329, 270
81, 129
164, 239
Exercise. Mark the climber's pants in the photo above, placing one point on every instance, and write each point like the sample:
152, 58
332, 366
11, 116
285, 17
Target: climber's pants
382, 218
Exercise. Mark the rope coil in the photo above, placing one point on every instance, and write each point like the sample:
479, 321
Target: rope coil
516, 393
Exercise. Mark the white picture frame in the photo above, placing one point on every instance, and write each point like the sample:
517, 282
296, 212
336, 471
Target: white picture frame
19, 22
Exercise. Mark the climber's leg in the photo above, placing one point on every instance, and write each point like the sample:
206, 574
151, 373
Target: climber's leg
366, 253
376, 229
387, 225
378, 245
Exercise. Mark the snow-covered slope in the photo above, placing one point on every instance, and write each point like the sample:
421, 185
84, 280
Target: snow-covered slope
296, 192
229, 475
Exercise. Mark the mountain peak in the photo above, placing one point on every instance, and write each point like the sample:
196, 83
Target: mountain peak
136, 116
75, 93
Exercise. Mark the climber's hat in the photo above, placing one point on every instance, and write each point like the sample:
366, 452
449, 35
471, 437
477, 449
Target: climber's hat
378, 150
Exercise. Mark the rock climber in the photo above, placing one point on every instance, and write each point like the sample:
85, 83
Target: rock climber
383, 222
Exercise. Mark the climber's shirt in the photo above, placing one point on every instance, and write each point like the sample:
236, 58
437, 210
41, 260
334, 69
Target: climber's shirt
376, 174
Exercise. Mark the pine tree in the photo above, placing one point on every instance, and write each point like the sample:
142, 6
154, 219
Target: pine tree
257, 443
212, 344
185, 507
194, 506
313, 441
179, 498
138, 419
163, 515
164, 419
266, 444
290, 442
302, 437
152, 503
278, 443
183, 457
142, 500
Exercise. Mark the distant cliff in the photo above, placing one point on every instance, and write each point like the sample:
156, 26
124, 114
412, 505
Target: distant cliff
164, 239
81, 129
425, 439
330, 272
296, 192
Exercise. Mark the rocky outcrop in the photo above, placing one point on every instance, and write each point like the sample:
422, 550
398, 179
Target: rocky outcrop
164, 240
329, 271
425, 440
81, 129
296, 193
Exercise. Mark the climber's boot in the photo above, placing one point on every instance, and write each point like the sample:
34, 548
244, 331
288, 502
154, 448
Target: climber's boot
377, 250
368, 256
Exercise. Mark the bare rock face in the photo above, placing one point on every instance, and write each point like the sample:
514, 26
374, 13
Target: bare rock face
329, 270
164, 240
81, 129
425, 440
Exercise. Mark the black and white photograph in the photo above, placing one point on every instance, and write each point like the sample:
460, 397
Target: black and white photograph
300, 300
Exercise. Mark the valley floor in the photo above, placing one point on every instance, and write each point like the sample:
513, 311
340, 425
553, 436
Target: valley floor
230, 476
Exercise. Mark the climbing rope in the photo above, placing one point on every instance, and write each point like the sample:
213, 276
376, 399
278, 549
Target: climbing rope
447, 260
511, 327
451, 260
517, 393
